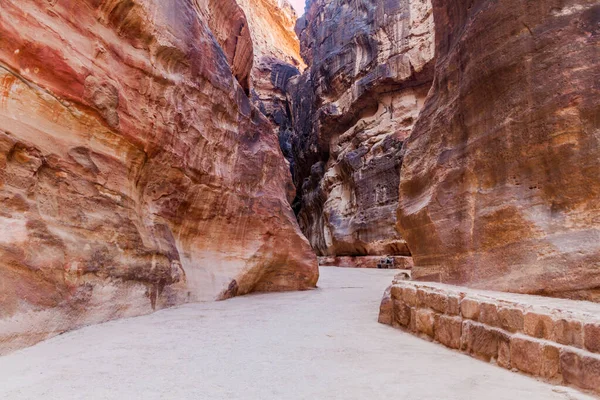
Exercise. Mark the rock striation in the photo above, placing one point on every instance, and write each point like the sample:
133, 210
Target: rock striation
499, 184
135, 173
371, 66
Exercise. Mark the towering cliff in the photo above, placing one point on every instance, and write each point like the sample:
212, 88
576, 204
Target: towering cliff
276, 59
135, 173
500, 181
370, 70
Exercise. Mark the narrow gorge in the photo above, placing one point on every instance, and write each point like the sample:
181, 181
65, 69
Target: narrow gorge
156, 154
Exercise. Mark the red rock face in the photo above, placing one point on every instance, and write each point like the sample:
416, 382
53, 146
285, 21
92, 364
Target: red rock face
499, 186
134, 172
552, 339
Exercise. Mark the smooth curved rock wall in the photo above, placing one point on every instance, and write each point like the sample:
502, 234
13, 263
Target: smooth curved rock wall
135, 173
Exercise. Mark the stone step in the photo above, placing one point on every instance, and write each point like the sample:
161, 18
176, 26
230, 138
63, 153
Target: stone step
554, 339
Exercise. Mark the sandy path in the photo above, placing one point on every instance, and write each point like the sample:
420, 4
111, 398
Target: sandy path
323, 344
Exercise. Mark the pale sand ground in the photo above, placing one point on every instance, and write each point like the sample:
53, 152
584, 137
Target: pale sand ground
322, 344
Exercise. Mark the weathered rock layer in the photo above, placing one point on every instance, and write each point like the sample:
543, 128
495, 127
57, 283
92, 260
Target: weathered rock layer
370, 70
499, 186
134, 171
488, 176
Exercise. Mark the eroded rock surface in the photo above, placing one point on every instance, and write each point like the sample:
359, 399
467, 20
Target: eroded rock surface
370, 70
134, 171
499, 185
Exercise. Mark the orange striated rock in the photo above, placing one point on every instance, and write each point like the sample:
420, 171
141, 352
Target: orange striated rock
271, 24
135, 173
499, 186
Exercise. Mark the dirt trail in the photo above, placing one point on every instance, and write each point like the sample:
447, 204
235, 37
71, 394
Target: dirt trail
322, 344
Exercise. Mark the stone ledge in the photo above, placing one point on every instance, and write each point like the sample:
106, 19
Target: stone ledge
553, 339
386, 262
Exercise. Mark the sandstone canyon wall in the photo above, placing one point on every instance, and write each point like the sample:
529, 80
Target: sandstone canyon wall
488, 176
135, 173
500, 182
371, 66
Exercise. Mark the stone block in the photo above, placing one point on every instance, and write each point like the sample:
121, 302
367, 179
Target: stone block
425, 321
453, 305
385, 308
401, 314
409, 295
504, 354
396, 291
568, 332
488, 314
422, 297
538, 325
481, 341
469, 309
526, 355
550, 362
412, 326
580, 369
436, 301
592, 337
511, 319
535, 357
448, 330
